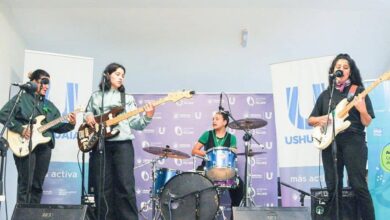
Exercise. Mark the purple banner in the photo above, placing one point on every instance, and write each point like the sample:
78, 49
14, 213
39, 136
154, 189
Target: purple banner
180, 124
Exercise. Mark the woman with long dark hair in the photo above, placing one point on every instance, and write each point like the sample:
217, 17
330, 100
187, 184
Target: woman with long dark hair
118, 200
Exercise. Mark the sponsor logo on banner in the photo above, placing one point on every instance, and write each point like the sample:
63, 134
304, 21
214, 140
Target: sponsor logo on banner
71, 99
161, 130
179, 131
269, 175
250, 101
178, 162
232, 100
145, 176
145, 144
295, 117
198, 115
268, 115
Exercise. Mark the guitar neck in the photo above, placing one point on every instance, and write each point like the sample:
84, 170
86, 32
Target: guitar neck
363, 94
47, 126
119, 118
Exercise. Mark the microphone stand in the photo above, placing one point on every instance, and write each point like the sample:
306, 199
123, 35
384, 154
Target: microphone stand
4, 145
302, 193
247, 137
101, 152
30, 126
334, 149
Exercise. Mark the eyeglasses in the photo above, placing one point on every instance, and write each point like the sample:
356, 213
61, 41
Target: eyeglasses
45, 81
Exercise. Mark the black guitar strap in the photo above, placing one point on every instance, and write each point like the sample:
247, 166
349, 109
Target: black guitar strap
123, 99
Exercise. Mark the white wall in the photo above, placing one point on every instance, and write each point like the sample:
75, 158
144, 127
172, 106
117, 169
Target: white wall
169, 48
11, 67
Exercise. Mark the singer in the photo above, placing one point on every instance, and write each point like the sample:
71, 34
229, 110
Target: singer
118, 201
351, 144
216, 138
36, 164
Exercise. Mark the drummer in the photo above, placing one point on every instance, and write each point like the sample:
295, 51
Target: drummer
218, 137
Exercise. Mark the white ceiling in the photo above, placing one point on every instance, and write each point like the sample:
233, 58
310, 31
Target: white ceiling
106, 29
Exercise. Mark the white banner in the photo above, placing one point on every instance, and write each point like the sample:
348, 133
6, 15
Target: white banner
296, 87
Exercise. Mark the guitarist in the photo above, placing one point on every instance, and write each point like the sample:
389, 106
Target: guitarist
37, 162
118, 200
351, 143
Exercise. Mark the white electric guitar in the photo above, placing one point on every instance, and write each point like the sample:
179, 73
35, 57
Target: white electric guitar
323, 135
19, 145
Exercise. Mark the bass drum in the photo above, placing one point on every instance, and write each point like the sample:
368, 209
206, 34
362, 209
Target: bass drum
179, 198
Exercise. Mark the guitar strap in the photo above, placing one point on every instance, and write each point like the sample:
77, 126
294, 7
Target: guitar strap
352, 92
123, 100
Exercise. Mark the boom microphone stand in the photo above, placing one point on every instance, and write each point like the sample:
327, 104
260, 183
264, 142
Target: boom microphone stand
302, 193
4, 144
334, 149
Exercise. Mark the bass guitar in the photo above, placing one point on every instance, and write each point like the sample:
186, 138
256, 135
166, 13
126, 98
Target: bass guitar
20, 145
323, 135
87, 137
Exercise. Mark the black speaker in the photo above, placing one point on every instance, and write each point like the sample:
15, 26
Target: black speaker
321, 209
49, 212
274, 213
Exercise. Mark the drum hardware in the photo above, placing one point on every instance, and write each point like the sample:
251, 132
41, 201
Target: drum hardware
247, 125
251, 153
189, 196
166, 152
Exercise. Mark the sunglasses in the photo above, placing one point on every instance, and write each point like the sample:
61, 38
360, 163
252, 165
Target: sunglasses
45, 81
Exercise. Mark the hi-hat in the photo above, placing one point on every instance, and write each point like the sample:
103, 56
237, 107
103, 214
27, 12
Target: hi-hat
247, 123
166, 152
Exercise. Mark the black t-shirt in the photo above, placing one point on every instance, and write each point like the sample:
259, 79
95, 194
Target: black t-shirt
321, 107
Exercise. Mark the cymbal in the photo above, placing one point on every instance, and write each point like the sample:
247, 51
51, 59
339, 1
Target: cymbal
250, 154
166, 152
247, 123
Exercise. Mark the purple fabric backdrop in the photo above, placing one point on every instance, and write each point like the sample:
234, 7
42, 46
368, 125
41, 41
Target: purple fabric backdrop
180, 124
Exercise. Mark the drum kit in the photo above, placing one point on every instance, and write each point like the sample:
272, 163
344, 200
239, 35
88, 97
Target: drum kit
195, 194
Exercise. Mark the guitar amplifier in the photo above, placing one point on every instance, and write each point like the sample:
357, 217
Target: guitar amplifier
49, 212
322, 210
271, 213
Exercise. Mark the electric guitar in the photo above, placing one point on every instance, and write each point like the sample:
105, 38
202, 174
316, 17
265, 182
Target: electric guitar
87, 137
19, 145
323, 135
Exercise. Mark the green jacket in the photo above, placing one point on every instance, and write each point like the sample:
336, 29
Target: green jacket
24, 110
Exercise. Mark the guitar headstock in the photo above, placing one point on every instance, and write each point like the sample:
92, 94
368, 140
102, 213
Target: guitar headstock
176, 96
385, 76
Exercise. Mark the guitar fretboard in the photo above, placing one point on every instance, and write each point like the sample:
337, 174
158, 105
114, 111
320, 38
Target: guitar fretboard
363, 94
47, 126
129, 114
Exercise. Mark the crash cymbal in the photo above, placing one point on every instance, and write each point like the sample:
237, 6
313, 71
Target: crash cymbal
166, 152
247, 123
251, 153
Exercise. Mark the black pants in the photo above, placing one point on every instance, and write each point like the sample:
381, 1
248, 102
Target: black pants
38, 167
118, 201
236, 194
351, 153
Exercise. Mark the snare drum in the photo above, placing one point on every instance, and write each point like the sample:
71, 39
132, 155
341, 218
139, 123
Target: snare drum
221, 164
162, 176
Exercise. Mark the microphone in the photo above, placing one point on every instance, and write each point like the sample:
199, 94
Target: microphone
220, 108
28, 86
338, 73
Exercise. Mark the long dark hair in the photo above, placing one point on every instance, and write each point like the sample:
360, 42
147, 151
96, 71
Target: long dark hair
112, 67
355, 77
37, 74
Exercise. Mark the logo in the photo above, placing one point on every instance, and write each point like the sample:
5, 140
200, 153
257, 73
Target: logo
198, 115
250, 100
145, 144
268, 115
294, 108
269, 175
178, 131
145, 176
178, 162
161, 130
71, 97
232, 100
252, 162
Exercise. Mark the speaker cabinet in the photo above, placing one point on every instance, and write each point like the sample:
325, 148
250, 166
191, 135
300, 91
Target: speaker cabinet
321, 210
49, 212
273, 213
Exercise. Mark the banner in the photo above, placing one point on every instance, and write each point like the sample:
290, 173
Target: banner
296, 87
70, 87
179, 125
378, 137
